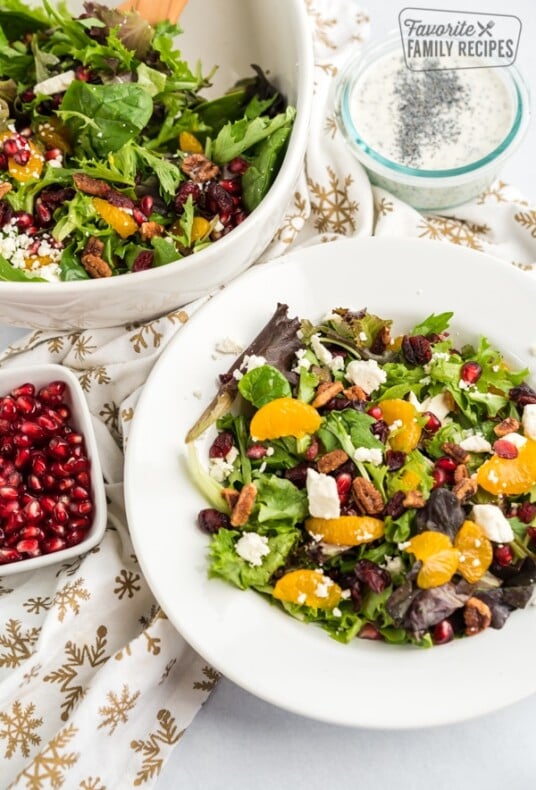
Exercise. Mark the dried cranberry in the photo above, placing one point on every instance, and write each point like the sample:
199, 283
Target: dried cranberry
395, 506
143, 261
505, 449
221, 445
218, 199
372, 575
380, 430
238, 166
356, 594
526, 512
211, 520
370, 631
313, 449
297, 475
395, 459
416, 349
186, 190
503, 555
256, 452
523, 395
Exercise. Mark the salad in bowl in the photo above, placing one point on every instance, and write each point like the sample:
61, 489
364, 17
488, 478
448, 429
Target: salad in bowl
111, 160
382, 487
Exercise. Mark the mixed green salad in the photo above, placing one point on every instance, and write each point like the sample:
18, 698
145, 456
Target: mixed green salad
382, 487
111, 160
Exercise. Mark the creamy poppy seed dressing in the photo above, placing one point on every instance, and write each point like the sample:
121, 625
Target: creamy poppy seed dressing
434, 119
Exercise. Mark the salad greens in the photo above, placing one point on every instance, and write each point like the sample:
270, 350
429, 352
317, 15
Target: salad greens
111, 159
381, 487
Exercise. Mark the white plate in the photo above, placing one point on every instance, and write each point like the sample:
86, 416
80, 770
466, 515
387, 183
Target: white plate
290, 664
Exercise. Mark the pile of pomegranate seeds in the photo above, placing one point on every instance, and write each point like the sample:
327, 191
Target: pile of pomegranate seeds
45, 485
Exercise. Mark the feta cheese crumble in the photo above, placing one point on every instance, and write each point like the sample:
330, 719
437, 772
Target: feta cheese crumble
529, 420
252, 547
325, 357
366, 374
228, 346
494, 523
220, 468
322, 494
476, 443
373, 455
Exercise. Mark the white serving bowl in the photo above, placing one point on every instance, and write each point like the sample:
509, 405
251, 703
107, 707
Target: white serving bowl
80, 420
231, 34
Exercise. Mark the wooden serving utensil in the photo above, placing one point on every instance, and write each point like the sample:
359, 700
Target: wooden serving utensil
155, 10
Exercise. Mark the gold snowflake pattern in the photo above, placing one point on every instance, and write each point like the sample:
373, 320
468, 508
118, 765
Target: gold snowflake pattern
322, 26
154, 614
47, 769
212, 677
494, 193
293, 222
166, 734
146, 335
330, 126
127, 415
118, 708
167, 669
177, 316
36, 605
527, 220
83, 347
336, 212
17, 729
17, 645
98, 375
30, 675
5, 590
456, 231
110, 415
55, 344
383, 207
18, 349
329, 69
68, 674
525, 267
128, 583
69, 597
91, 783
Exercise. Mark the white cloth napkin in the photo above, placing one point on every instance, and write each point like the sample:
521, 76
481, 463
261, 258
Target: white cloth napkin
96, 687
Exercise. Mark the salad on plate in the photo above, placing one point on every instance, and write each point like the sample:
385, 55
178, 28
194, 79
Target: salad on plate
111, 159
380, 485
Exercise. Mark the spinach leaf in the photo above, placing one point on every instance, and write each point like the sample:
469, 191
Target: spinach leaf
227, 564
235, 138
434, 324
263, 384
71, 268
217, 112
105, 117
164, 251
11, 274
16, 19
264, 167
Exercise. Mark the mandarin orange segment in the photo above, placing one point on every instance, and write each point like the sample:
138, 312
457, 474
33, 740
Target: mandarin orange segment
189, 143
31, 170
438, 556
401, 417
409, 480
122, 222
308, 588
284, 417
509, 476
200, 228
346, 530
476, 551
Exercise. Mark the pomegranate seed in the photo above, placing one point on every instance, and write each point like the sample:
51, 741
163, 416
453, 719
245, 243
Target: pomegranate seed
58, 448
446, 464
470, 372
49, 482
33, 510
59, 530
312, 451
231, 185
35, 483
432, 424
59, 470
442, 633
63, 413
439, 476
3, 166
52, 393
375, 412
10, 147
30, 547
27, 95
31, 532
39, 465
79, 493
8, 409
80, 522
32, 430
60, 513
9, 555
526, 512
43, 215
503, 555
54, 154
65, 484
24, 220
210, 520
55, 543
138, 216
81, 508
84, 479
256, 452
369, 631
22, 457
146, 205
25, 404
48, 503
22, 157
344, 484
8, 492
239, 217
531, 534
74, 438
82, 73
22, 440
47, 422
75, 536
238, 166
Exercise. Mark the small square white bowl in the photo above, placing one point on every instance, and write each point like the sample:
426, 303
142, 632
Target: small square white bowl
81, 421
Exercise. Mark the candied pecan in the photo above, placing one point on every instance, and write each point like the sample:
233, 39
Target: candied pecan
477, 616
94, 246
509, 425
325, 392
5, 187
91, 186
199, 168
455, 452
95, 266
330, 461
413, 499
522, 395
381, 341
461, 473
231, 497
150, 229
464, 489
355, 393
366, 496
244, 505
416, 349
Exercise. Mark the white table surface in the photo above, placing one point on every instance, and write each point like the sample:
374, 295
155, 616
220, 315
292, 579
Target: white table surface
238, 742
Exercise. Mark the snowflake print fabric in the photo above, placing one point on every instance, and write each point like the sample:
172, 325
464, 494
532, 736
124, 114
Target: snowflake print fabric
89, 664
